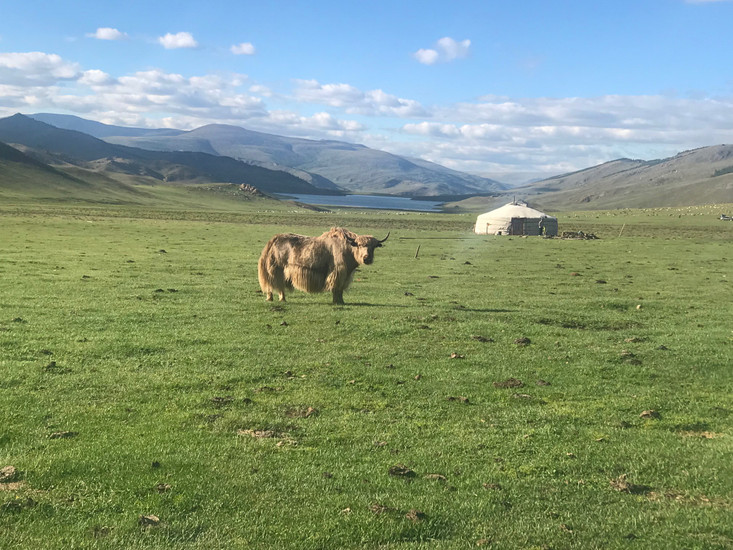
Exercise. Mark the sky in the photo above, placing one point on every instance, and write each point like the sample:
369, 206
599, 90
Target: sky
508, 89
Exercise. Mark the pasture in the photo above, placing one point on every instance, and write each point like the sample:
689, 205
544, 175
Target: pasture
492, 392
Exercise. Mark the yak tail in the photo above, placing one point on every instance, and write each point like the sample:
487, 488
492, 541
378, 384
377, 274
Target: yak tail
270, 271
262, 273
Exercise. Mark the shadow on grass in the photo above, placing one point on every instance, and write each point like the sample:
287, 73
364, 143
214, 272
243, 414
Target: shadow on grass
469, 309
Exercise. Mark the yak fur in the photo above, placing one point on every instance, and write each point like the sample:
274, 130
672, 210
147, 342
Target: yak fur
314, 264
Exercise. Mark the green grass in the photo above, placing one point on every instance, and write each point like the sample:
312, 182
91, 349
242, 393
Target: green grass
141, 336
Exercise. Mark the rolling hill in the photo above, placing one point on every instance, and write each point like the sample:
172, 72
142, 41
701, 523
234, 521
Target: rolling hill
57, 146
22, 176
325, 164
699, 176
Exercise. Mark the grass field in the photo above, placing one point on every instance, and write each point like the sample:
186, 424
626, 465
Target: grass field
498, 392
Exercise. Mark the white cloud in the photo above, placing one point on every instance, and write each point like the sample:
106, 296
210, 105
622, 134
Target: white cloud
547, 136
317, 126
494, 134
259, 89
354, 101
178, 40
245, 48
427, 56
107, 33
35, 68
445, 50
96, 78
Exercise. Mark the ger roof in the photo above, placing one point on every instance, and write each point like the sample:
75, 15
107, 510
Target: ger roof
514, 210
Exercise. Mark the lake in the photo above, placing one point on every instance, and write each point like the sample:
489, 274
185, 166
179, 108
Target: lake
366, 201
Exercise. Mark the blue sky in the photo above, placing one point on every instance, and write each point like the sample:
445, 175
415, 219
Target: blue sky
510, 89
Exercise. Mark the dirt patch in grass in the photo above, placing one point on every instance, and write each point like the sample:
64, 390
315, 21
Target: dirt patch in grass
63, 435
458, 398
509, 383
703, 435
378, 509
282, 437
8, 474
577, 324
690, 500
301, 412
259, 434
55, 368
436, 477
415, 515
400, 470
9, 479
222, 401
623, 485
148, 521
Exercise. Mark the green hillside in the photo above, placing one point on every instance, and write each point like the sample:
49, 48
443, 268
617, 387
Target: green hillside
25, 180
58, 146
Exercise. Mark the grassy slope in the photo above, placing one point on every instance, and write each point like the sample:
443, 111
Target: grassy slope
143, 333
32, 185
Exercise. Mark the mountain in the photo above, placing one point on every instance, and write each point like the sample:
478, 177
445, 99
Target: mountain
98, 129
22, 176
326, 164
699, 176
57, 146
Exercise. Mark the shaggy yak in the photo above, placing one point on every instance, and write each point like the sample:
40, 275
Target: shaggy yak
314, 264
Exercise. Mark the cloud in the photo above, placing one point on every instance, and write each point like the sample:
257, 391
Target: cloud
547, 136
259, 89
245, 48
107, 33
36, 82
318, 125
491, 135
35, 69
96, 78
178, 40
427, 57
354, 101
445, 50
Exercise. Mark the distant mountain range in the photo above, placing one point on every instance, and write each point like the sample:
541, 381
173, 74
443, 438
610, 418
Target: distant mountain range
330, 165
699, 176
62, 148
40, 157
23, 177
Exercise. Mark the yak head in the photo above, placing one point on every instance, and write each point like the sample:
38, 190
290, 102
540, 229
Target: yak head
362, 246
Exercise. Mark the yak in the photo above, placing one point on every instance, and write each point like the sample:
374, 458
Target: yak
314, 264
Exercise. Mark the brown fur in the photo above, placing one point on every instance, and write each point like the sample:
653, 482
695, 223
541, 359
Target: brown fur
314, 264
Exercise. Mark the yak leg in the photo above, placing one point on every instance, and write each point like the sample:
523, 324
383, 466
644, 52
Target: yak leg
338, 297
280, 293
278, 283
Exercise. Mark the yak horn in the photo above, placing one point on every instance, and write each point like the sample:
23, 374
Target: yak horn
387, 237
